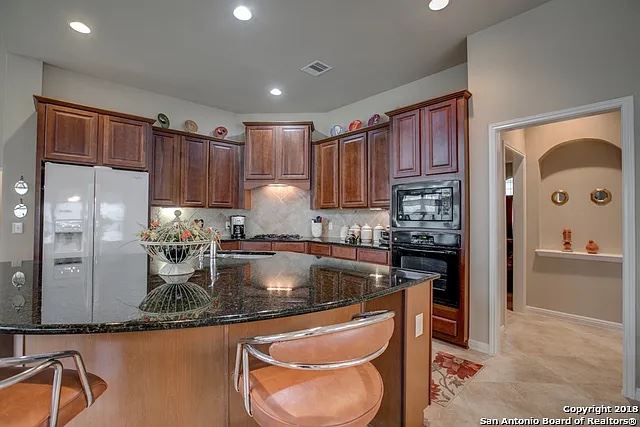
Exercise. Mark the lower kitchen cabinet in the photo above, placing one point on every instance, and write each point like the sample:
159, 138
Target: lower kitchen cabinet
255, 246
374, 256
299, 247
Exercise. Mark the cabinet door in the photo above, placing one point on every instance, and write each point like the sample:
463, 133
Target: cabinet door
193, 188
71, 135
440, 138
293, 152
260, 153
378, 147
124, 142
326, 179
405, 145
223, 175
353, 172
165, 170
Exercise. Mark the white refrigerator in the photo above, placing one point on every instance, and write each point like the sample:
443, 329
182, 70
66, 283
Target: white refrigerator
92, 268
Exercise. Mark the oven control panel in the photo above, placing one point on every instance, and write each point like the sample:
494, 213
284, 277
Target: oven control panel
425, 238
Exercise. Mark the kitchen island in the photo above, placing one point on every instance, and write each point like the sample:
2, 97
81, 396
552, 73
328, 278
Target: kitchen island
167, 353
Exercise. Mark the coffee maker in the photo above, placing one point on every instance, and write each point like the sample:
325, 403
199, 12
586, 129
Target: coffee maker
237, 226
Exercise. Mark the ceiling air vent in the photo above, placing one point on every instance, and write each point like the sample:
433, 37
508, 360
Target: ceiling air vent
316, 68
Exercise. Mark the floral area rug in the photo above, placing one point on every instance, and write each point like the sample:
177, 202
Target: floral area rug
449, 374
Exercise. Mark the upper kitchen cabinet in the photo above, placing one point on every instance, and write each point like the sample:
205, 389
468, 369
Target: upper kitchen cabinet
406, 144
71, 135
124, 142
292, 150
353, 171
224, 164
260, 153
79, 134
193, 170
193, 176
277, 153
440, 135
165, 169
429, 138
378, 148
326, 179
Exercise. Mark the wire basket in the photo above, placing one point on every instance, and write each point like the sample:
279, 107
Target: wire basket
177, 256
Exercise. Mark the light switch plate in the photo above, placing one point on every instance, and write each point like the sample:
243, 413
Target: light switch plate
419, 324
16, 228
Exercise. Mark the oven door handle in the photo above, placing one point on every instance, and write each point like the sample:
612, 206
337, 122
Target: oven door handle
425, 251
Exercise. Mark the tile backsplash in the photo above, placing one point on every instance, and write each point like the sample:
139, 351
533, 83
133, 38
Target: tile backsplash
280, 210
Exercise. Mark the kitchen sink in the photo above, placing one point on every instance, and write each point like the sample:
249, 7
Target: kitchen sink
245, 254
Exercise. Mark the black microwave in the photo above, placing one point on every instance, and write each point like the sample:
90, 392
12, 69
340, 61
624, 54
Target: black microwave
427, 204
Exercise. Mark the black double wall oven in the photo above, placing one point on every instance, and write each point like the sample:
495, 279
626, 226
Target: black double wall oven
425, 236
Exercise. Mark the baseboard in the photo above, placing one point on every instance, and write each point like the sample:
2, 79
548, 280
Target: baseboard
576, 318
482, 347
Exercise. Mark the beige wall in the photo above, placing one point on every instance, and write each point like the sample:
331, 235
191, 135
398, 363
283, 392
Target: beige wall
562, 54
576, 156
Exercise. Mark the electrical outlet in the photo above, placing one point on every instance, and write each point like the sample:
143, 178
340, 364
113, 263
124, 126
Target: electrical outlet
330, 225
227, 225
419, 324
16, 228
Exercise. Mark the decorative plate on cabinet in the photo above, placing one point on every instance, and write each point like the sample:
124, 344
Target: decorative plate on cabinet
355, 125
336, 130
373, 120
220, 132
190, 126
163, 120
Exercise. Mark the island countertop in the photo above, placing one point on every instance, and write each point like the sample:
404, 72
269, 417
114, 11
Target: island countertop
222, 291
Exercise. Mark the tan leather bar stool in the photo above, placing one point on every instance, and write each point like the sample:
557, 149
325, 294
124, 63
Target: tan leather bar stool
45, 394
317, 377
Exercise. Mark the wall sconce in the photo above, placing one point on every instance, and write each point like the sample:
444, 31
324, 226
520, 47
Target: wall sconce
20, 210
21, 187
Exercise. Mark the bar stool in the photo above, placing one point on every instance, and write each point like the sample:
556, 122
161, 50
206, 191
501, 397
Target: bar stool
40, 396
316, 377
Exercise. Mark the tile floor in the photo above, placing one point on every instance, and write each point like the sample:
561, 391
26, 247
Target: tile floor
545, 363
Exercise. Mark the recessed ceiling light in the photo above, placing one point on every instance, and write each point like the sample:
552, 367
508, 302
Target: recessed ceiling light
438, 4
80, 27
242, 13
275, 91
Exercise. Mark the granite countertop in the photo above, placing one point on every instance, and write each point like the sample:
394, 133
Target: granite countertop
222, 291
327, 240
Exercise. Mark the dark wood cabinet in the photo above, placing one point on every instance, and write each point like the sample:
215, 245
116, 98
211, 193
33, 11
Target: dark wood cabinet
433, 134
378, 148
292, 151
193, 175
353, 172
223, 175
71, 135
79, 134
260, 153
124, 142
440, 138
277, 153
165, 167
326, 178
405, 145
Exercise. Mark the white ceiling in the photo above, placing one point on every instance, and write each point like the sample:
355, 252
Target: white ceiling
196, 50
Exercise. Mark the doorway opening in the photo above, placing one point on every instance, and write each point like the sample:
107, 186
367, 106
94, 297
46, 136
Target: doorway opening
557, 167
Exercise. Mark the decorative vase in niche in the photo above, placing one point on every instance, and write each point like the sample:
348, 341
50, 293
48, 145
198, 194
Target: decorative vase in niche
592, 247
316, 229
566, 240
